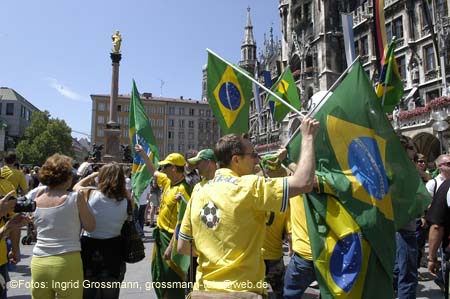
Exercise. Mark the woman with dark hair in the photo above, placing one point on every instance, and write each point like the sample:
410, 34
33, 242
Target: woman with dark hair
58, 217
102, 249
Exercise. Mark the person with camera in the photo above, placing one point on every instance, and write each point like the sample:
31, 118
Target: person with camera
58, 217
8, 225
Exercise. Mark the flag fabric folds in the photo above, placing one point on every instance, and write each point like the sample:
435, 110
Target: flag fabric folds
379, 29
286, 89
141, 132
229, 94
390, 85
368, 189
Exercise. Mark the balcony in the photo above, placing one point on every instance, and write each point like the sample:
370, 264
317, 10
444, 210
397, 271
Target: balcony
422, 115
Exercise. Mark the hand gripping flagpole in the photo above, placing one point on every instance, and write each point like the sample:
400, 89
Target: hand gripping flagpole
257, 83
310, 112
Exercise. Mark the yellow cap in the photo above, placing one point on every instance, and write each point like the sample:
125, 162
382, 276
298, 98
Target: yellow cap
173, 159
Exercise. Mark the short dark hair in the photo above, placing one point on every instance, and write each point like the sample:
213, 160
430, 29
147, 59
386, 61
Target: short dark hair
228, 146
10, 158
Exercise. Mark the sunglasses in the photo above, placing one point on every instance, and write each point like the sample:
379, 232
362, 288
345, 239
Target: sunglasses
253, 154
166, 166
420, 161
445, 164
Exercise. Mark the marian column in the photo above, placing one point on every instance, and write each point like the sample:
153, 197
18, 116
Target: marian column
112, 131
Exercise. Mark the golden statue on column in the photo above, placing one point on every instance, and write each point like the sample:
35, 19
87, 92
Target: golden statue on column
116, 40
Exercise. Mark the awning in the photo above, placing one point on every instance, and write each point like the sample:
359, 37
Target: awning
411, 93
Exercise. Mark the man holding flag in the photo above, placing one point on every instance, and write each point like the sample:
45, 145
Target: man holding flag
167, 266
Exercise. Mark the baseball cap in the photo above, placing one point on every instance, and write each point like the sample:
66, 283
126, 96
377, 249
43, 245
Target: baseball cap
173, 159
206, 154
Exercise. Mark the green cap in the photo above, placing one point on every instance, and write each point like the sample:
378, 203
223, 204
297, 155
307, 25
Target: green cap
206, 154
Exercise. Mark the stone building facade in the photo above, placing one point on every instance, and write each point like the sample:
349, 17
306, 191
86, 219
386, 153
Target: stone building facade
178, 124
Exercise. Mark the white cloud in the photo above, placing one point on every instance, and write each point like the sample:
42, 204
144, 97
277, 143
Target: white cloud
65, 91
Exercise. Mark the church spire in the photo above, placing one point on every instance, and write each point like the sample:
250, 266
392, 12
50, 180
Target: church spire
248, 46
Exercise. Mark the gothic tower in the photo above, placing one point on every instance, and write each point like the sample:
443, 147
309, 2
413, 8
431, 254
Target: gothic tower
248, 47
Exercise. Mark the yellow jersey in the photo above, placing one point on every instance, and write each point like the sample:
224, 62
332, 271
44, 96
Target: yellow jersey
300, 238
276, 225
228, 226
169, 207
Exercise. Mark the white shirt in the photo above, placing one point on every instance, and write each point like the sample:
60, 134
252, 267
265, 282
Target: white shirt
144, 196
431, 184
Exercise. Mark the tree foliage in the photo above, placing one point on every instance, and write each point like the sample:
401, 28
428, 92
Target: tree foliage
43, 138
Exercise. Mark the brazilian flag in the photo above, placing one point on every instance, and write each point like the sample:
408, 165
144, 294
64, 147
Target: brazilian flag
390, 82
141, 132
367, 182
229, 94
286, 89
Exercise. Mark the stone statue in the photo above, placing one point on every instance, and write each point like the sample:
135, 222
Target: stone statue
116, 40
97, 152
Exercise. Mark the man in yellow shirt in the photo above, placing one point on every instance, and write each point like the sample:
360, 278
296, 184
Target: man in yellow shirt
14, 175
166, 266
226, 218
278, 225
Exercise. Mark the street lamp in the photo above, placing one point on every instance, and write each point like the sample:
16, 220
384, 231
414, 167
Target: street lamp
440, 125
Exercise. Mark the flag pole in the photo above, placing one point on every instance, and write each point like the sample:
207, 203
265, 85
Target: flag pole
341, 77
257, 83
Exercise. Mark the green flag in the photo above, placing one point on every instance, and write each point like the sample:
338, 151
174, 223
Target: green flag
286, 89
229, 94
141, 132
368, 189
390, 81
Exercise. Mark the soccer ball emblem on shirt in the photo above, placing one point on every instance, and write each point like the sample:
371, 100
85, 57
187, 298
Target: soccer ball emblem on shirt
210, 215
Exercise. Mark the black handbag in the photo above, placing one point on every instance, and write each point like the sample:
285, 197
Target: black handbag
133, 245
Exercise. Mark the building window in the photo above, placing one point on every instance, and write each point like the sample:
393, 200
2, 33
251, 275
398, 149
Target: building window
441, 8
101, 106
119, 119
2, 103
119, 108
401, 66
125, 120
181, 147
181, 123
100, 131
389, 32
181, 111
160, 134
100, 119
171, 123
152, 110
191, 124
191, 136
160, 110
431, 95
170, 134
201, 124
9, 108
201, 112
208, 113
397, 29
181, 136
171, 110
160, 123
125, 133
364, 46
170, 147
191, 111
428, 54
152, 122
127, 108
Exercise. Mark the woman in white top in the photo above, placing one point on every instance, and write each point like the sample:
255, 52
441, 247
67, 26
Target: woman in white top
58, 217
102, 249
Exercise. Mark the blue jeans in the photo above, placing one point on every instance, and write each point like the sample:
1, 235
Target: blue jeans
139, 229
405, 269
299, 275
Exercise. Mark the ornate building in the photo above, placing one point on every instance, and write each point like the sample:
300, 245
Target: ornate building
312, 45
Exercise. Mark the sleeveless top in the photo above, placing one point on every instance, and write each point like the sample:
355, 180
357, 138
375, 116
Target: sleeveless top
109, 214
58, 228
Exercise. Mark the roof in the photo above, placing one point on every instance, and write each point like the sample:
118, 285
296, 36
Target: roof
9, 94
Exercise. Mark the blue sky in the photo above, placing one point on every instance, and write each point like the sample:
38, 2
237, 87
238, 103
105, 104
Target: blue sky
56, 53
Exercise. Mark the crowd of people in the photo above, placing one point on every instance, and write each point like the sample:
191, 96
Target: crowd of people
220, 217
